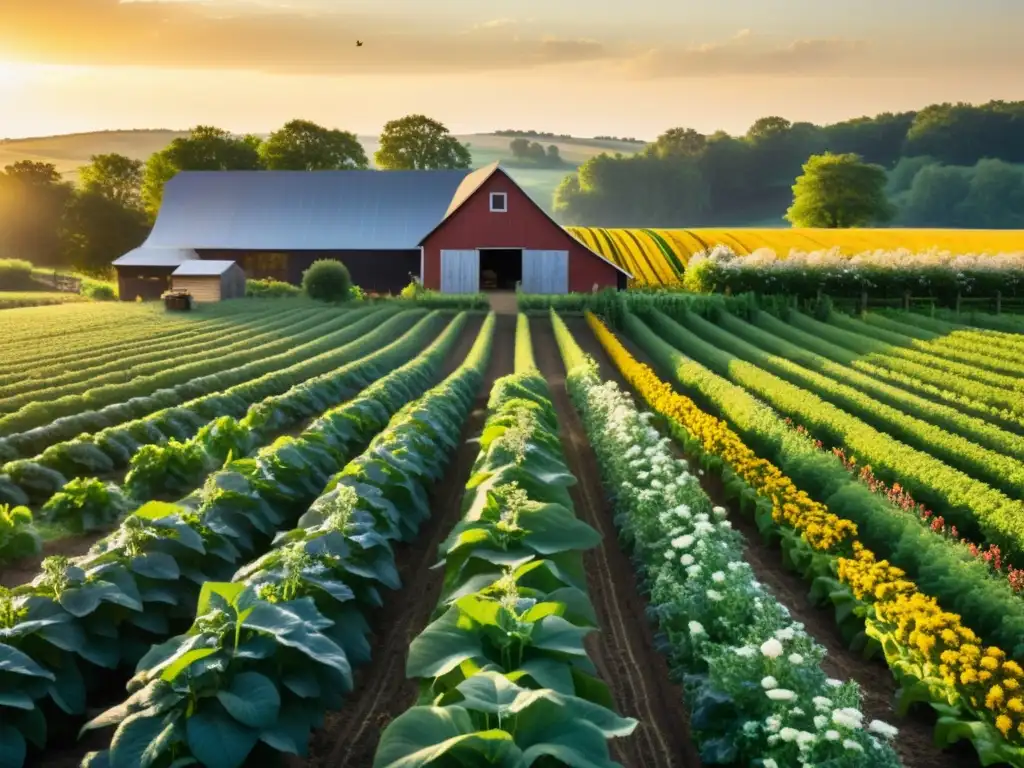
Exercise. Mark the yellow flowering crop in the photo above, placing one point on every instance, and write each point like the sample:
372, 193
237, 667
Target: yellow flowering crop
933, 641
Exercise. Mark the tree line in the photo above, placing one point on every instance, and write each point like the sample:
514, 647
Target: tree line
946, 165
53, 223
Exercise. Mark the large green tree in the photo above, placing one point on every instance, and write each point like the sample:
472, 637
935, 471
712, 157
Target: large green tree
115, 177
838, 191
206, 148
417, 142
98, 229
302, 145
33, 197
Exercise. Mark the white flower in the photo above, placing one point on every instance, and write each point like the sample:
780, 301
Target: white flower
786, 633
656, 484
780, 694
796, 658
683, 542
715, 596
725, 524
796, 712
788, 734
853, 745
669, 554
842, 717
773, 740
822, 704
744, 651
700, 472
696, 628
832, 735
734, 565
642, 476
834, 683
693, 570
771, 648
805, 739
882, 729
718, 577
720, 511
768, 683
686, 559
773, 723
820, 721
701, 517
769, 763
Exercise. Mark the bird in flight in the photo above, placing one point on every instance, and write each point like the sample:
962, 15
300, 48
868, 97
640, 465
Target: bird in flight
359, 43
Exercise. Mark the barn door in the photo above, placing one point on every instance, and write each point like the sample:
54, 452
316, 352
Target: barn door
545, 272
460, 271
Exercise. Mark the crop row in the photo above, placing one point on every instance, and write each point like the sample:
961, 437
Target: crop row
176, 468
59, 405
932, 654
104, 611
73, 320
36, 479
503, 669
733, 644
851, 348
976, 508
958, 331
271, 651
146, 357
119, 429
852, 391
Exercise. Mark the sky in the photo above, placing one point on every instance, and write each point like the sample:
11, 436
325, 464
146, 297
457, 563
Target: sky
584, 67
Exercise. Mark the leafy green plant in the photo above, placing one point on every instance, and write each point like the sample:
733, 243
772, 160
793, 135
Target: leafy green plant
86, 504
327, 280
18, 537
270, 289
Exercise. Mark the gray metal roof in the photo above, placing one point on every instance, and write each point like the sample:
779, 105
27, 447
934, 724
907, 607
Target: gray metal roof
203, 268
147, 256
303, 210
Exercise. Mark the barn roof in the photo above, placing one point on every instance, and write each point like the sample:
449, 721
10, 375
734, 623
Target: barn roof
303, 210
147, 256
203, 268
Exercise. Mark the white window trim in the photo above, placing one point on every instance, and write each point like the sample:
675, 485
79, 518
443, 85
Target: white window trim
504, 196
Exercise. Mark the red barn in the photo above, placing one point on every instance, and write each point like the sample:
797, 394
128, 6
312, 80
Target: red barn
459, 231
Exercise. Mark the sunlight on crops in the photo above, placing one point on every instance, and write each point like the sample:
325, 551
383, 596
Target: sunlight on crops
659, 256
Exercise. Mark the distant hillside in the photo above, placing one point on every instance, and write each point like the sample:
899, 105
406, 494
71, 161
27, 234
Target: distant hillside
71, 151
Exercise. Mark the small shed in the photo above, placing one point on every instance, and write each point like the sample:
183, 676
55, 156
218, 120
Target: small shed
209, 280
145, 272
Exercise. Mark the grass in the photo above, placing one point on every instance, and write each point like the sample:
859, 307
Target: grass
70, 152
14, 299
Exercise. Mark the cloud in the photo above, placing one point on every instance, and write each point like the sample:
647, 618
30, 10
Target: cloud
496, 24
273, 38
745, 54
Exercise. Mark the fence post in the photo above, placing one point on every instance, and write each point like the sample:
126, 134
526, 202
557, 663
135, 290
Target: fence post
999, 301
863, 302
906, 301
958, 302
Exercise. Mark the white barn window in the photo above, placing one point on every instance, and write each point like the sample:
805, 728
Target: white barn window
499, 202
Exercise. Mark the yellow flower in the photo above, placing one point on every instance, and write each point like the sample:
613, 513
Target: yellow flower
1004, 724
994, 697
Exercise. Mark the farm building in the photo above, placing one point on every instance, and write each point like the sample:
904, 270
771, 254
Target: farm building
209, 279
458, 231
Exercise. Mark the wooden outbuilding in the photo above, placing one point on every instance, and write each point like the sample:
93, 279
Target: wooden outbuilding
146, 272
209, 280
458, 231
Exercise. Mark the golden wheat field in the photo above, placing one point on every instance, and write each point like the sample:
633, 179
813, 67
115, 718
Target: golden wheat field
659, 256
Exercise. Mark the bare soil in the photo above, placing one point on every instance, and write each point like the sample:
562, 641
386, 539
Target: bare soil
382, 692
623, 649
914, 744
23, 570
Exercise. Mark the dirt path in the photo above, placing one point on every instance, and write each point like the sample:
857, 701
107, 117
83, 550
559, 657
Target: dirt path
623, 648
349, 736
914, 744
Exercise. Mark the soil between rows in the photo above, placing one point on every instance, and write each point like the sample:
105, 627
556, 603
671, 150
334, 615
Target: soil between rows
382, 692
623, 647
914, 744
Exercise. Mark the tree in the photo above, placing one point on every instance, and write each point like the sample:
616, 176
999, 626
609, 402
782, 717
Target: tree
206, 148
553, 155
97, 229
32, 200
302, 145
115, 177
685, 142
839, 191
417, 142
519, 147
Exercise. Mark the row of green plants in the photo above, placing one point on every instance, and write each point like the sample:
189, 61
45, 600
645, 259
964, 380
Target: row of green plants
853, 392
22, 299
146, 357
827, 357
68, 401
940, 567
848, 346
934, 657
272, 650
18, 275
172, 469
141, 584
1005, 323
753, 678
119, 429
927, 330
947, 352
504, 675
974, 507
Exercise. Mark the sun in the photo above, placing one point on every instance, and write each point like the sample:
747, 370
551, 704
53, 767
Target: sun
13, 73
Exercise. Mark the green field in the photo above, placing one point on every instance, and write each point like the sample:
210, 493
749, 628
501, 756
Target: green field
71, 151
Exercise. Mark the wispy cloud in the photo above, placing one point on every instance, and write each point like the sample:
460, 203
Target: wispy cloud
273, 38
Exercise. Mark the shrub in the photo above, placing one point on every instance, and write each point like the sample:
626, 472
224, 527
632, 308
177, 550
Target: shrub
327, 280
16, 275
270, 289
97, 291
412, 290
357, 294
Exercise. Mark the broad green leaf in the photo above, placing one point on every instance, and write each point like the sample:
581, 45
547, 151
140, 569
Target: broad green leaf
553, 633
68, 690
14, 661
488, 692
183, 661
156, 510
217, 739
482, 610
16, 700
302, 682
133, 738
422, 735
156, 565
12, 747
229, 591
442, 646
252, 700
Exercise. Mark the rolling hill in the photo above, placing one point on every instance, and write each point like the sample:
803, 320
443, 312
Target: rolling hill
71, 151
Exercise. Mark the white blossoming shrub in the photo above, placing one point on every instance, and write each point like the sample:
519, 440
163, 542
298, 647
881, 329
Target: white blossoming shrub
752, 676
